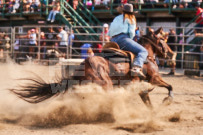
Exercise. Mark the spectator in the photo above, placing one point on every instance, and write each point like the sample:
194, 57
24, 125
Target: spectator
174, 3
89, 3
44, 3
63, 37
16, 47
75, 4
98, 49
1, 45
37, 3
104, 35
123, 2
10, 5
51, 37
25, 47
16, 6
106, 2
26, 4
34, 5
194, 3
199, 20
96, 2
137, 2
51, 2
172, 40
150, 3
7, 42
32, 42
84, 50
137, 34
71, 38
43, 47
184, 3
53, 12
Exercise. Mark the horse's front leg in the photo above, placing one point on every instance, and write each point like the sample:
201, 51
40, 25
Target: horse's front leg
145, 97
157, 80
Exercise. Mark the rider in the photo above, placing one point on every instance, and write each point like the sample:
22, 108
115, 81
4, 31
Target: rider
122, 31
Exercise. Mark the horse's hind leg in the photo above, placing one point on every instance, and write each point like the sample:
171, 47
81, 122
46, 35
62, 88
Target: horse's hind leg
145, 97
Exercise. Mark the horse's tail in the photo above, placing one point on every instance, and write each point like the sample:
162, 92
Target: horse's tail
38, 90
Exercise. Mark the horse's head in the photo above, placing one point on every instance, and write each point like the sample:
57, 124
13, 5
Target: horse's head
152, 43
161, 35
156, 36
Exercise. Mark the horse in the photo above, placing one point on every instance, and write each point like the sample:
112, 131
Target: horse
104, 71
169, 54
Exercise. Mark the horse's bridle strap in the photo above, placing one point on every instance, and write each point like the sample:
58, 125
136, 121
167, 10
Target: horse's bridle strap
155, 45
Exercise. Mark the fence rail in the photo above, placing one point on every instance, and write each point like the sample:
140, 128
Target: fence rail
16, 42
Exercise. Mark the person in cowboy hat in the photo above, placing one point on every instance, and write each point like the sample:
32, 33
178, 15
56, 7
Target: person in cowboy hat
122, 31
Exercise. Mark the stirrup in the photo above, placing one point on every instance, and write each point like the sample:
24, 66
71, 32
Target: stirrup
137, 71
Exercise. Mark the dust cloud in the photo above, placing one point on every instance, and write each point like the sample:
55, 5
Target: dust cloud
87, 104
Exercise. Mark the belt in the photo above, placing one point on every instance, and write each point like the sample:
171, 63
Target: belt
117, 35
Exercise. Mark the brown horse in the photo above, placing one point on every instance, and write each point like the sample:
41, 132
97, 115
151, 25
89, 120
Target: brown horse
103, 71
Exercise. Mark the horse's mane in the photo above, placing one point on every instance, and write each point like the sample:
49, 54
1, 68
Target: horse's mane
149, 39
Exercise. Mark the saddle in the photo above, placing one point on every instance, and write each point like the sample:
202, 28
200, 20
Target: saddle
112, 52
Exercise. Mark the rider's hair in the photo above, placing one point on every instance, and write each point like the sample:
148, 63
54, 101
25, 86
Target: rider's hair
131, 17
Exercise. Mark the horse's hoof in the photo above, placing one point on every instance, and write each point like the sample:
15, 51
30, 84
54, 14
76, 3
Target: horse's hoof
167, 100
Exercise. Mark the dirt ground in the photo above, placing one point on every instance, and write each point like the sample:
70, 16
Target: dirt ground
92, 111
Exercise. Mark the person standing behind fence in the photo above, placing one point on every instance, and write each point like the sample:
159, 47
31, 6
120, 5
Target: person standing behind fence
51, 37
172, 40
43, 45
53, 12
63, 37
86, 51
199, 19
1, 45
32, 42
137, 34
71, 38
104, 36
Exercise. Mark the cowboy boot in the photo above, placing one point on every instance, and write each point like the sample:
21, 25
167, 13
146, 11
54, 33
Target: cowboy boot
137, 71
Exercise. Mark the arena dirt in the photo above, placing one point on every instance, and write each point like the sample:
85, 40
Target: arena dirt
92, 110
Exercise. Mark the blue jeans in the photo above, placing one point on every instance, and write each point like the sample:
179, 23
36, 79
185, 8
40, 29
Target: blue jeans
173, 1
127, 44
52, 13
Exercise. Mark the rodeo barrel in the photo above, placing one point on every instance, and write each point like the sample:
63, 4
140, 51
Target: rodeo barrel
68, 66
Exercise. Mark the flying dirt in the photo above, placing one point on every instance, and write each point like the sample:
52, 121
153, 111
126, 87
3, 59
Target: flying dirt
90, 109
